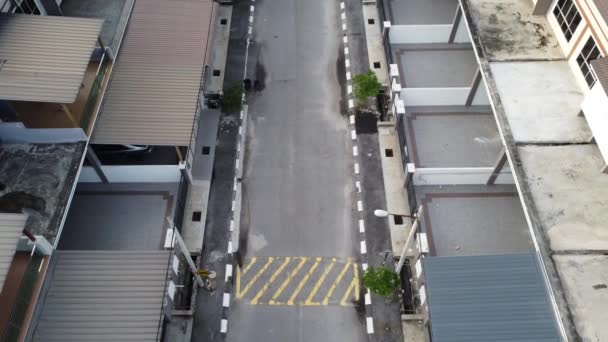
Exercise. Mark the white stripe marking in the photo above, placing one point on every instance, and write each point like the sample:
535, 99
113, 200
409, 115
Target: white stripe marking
368, 299
351, 103
241, 130
351, 119
353, 134
344, 27
343, 16
251, 19
231, 225
347, 63
250, 30
229, 247
345, 40
358, 186
349, 89
224, 326
363, 247
355, 151
364, 266
356, 168
342, 5
226, 300
370, 325
252, 8
348, 75
359, 205
346, 51
233, 205
361, 226
228, 271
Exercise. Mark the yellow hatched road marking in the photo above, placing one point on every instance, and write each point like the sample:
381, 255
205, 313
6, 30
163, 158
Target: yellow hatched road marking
241, 294
356, 280
287, 281
249, 265
270, 281
347, 293
336, 282
303, 282
319, 283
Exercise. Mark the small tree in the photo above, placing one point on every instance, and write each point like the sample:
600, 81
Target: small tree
381, 280
366, 85
233, 98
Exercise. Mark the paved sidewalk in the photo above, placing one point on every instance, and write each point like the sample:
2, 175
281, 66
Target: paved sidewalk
386, 315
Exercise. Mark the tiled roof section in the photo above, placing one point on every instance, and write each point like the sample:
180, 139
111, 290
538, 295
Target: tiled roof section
44, 58
600, 67
602, 7
154, 89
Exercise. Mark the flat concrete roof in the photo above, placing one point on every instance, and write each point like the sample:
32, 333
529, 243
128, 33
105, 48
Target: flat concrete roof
535, 100
465, 220
38, 180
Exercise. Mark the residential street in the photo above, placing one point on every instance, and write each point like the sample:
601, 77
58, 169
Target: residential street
299, 274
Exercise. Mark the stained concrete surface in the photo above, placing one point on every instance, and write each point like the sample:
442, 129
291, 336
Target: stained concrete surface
585, 278
453, 139
436, 68
38, 179
510, 31
569, 193
422, 12
541, 101
473, 220
119, 216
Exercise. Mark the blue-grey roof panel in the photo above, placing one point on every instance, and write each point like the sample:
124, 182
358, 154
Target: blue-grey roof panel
488, 298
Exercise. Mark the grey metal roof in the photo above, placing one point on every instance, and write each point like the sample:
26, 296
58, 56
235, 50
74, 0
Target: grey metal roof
103, 296
488, 298
600, 67
154, 89
44, 58
11, 228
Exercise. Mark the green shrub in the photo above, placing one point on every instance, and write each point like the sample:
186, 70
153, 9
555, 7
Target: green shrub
366, 85
233, 98
381, 280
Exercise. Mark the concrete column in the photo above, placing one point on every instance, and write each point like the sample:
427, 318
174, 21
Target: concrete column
96, 163
542, 7
474, 87
498, 165
455, 24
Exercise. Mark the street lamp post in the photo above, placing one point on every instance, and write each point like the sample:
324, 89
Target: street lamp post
410, 237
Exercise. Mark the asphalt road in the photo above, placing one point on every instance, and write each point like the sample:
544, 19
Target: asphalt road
297, 229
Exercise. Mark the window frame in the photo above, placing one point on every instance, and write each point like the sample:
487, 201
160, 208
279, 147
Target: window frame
589, 52
568, 17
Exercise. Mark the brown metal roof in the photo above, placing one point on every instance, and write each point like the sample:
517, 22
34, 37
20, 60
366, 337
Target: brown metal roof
103, 296
43, 58
155, 85
600, 67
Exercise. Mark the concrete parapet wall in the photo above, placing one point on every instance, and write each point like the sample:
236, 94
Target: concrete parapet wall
459, 176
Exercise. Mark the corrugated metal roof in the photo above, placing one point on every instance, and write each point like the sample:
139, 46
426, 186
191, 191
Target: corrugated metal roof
488, 298
103, 296
600, 67
155, 85
44, 58
11, 228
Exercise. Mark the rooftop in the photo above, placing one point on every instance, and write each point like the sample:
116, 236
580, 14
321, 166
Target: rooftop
38, 180
564, 195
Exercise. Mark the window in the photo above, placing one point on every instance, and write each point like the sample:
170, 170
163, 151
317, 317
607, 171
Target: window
567, 16
587, 54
